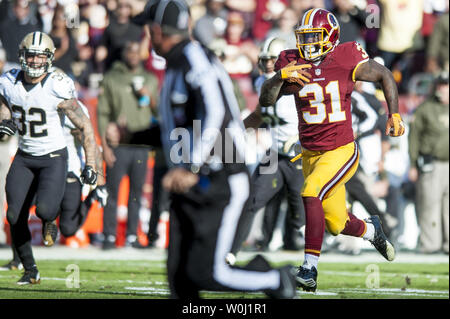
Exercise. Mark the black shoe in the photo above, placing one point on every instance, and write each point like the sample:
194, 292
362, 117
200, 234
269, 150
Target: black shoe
30, 277
134, 244
307, 278
287, 289
380, 241
12, 265
108, 245
49, 233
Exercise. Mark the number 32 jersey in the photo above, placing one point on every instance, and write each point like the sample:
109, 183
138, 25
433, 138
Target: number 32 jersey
35, 109
324, 104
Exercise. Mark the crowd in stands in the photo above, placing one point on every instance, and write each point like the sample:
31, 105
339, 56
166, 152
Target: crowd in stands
411, 38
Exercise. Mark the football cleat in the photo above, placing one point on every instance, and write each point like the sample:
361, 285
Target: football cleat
287, 289
12, 265
307, 278
49, 233
380, 241
30, 277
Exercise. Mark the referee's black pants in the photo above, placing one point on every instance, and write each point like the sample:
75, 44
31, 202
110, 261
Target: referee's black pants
266, 189
202, 226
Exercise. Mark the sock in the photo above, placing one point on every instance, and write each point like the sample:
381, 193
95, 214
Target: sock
370, 232
310, 261
21, 237
315, 225
354, 227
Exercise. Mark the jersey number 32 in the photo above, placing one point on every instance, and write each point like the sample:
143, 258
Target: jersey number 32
34, 130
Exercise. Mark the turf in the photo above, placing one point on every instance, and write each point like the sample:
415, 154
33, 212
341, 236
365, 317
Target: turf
103, 279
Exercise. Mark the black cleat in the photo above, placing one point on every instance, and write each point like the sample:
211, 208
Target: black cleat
30, 277
380, 241
49, 233
307, 278
287, 289
12, 265
109, 245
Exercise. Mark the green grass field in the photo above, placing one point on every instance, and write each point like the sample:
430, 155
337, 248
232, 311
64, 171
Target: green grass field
125, 279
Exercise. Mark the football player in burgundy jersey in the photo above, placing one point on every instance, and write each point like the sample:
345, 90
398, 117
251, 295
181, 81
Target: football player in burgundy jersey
321, 74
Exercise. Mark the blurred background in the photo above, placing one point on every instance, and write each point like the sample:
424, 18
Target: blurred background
410, 37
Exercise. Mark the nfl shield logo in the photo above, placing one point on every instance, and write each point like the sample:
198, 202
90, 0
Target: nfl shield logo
318, 72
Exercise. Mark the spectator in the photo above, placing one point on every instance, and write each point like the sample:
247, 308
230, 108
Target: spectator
22, 22
397, 40
437, 50
246, 8
300, 7
267, 12
66, 50
46, 10
119, 31
126, 104
285, 28
429, 158
351, 20
212, 25
241, 54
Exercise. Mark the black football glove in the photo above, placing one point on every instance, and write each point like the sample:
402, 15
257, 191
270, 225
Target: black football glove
88, 176
99, 194
8, 127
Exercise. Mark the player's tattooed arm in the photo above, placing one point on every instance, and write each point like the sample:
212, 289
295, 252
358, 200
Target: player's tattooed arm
270, 90
372, 71
5, 113
98, 157
72, 109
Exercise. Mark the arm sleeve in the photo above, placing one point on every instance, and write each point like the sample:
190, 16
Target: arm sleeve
211, 109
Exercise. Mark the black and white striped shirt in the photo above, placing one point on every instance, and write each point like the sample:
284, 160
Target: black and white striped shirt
200, 118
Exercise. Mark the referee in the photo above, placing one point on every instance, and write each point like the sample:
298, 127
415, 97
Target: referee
203, 139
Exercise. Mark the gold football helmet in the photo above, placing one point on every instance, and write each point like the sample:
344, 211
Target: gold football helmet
36, 44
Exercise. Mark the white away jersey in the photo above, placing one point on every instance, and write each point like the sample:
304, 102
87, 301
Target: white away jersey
34, 109
75, 151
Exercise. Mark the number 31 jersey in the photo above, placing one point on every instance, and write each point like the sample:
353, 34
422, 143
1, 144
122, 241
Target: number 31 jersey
324, 104
35, 109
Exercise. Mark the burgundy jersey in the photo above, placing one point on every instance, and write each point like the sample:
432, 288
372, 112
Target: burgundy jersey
324, 104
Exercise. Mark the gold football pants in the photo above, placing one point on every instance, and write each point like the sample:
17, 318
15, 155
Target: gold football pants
326, 173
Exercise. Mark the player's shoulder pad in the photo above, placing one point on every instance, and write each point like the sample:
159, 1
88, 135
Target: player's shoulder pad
9, 76
285, 57
61, 85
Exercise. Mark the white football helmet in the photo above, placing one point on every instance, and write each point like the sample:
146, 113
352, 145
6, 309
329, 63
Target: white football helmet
36, 43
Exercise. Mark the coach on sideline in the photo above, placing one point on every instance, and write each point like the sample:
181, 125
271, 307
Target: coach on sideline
198, 109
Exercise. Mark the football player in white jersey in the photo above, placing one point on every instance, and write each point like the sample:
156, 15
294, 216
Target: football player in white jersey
73, 210
269, 189
35, 101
